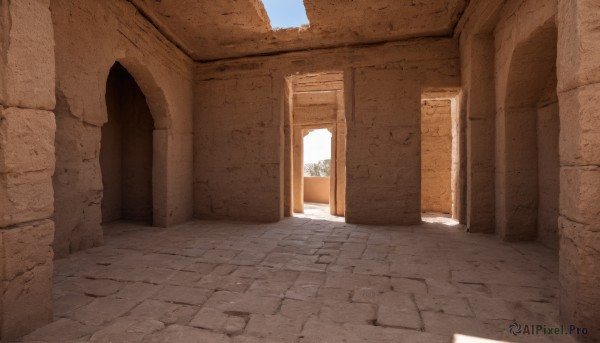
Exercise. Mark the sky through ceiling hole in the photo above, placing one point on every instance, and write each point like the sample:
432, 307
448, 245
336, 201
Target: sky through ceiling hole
285, 14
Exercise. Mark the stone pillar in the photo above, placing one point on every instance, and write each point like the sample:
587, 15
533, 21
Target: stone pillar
298, 169
477, 55
27, 159
579, 223
340, 156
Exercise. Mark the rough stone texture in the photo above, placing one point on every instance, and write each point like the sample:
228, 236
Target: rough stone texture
25, 278
239, 118
76, 183
486, 282
436, 156
578, 85
28, 138
236, 133
477, 56
206, 33
341, 281
26, 71
548, 128
90, 37
26, 166
525, 47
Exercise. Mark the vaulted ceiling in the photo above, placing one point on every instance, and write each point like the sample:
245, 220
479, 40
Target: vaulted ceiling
217, 29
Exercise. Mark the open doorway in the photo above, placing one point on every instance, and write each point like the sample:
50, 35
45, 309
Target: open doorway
317, 154
126, 153
315, 144
440, 161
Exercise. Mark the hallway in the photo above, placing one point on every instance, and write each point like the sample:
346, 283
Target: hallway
301, 280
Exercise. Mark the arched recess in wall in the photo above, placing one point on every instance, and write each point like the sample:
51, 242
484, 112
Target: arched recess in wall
529, 163
133, 155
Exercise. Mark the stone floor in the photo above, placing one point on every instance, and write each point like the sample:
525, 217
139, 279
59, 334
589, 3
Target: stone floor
302, 280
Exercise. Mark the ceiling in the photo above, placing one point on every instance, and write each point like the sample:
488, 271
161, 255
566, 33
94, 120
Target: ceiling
217, 29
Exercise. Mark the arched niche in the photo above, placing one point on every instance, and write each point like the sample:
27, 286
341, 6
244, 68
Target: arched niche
133, 154
531, 84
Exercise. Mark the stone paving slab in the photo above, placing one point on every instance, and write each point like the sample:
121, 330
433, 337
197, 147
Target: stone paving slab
300, 280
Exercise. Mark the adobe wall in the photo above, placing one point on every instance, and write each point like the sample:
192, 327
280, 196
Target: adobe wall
548, 128
27, 128
478, 110
436, 156
239, 128
90, 37
579, 223
316, 189
519, 40
525, 40
508, 52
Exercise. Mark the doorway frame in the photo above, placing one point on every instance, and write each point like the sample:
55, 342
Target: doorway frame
458, 171
300, 132
293, 181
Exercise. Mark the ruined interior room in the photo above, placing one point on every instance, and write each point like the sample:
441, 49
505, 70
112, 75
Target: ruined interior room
157, 182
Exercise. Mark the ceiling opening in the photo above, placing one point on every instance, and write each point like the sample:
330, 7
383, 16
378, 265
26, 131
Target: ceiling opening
285, 14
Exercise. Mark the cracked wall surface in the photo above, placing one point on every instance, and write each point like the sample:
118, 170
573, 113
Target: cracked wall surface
27, 127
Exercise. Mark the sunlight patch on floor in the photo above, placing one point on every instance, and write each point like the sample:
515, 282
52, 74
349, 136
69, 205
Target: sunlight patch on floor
471, 339
318, 211
439, 218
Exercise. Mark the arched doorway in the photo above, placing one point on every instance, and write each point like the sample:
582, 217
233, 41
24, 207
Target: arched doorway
126, 154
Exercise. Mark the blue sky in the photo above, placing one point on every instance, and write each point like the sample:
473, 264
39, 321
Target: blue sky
286, 13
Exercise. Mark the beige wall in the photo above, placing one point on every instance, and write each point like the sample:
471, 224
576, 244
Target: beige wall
579, 101
436, 156
478, 111
548, 128
525, 60
238, 122
90, 37
508, 52
27, 127
239, 128
316, 189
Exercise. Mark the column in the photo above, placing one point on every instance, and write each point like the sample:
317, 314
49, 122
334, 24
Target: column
27, 128
579, 222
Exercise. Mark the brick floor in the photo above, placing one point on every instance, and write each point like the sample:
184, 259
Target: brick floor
301, 280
